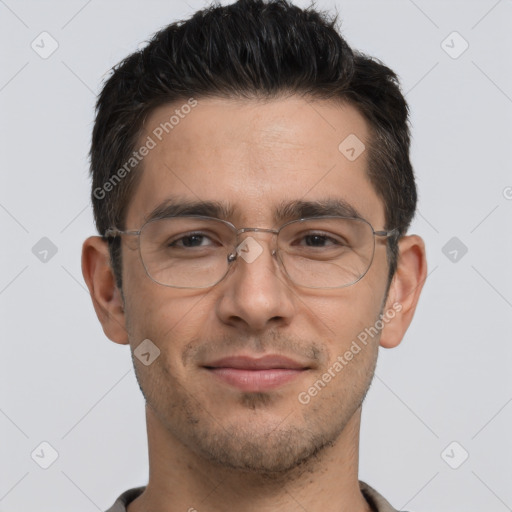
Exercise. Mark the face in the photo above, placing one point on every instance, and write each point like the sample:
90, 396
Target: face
253, 157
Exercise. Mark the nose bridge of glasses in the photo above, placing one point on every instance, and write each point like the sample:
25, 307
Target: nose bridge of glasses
250, 243
256, 230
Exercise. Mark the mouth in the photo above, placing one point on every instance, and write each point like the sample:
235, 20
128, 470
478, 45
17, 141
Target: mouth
256, 374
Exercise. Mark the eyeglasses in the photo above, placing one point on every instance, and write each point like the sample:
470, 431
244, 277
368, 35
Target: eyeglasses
198, 251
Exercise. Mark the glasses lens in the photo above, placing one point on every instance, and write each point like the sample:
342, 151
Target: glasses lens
326, 252
186, 252
192, 252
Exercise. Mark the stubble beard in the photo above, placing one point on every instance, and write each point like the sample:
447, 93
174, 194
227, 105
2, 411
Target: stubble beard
269, 450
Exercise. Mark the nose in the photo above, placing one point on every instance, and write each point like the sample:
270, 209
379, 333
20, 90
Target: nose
255, 294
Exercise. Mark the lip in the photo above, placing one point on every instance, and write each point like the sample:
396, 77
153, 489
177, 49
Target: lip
268, 362
256, 374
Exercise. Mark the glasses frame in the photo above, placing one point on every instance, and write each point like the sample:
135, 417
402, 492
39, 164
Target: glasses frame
114, 232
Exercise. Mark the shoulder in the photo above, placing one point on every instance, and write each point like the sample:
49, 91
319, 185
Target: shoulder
126, 498
375, 499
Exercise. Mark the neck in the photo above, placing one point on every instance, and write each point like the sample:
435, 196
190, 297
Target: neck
179, 479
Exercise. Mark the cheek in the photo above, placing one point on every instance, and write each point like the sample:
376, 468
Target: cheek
345, 321
152, 310
169, 323
166, 316
161, 314
338, 318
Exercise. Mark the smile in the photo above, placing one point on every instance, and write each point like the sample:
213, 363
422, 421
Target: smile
253, 375
255, 380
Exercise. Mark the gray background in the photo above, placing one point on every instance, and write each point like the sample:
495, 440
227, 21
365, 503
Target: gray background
62, 381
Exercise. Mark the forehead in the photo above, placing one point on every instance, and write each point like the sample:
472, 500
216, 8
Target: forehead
255, 156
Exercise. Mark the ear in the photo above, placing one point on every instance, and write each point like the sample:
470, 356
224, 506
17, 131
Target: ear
405, 289
105, 295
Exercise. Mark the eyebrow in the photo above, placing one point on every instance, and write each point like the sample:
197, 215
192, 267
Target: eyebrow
285, 211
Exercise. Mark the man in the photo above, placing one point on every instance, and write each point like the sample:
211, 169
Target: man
253, 190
